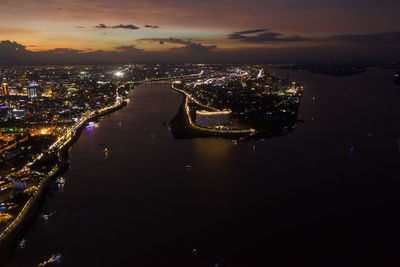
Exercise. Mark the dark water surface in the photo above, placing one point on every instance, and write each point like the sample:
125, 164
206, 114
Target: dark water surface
298, 200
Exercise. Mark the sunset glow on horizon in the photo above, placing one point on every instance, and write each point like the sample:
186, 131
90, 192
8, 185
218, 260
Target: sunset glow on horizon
278, 29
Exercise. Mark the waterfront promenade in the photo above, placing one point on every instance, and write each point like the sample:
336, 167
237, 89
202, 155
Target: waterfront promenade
188, 97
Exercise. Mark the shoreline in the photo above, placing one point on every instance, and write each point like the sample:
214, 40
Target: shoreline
17, 228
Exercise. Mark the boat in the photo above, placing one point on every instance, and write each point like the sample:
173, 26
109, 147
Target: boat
61, 180
218, 263
22, 243
195, 251
188, 167
54, 258
47, 216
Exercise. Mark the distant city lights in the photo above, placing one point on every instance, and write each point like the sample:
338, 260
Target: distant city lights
119, 74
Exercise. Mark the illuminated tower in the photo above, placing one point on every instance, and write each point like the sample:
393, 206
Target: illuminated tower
32, 91
5, 89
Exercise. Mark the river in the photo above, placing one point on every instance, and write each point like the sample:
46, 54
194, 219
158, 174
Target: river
300, 200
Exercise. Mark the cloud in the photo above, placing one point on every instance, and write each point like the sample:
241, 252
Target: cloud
374, 47
128, 48
101, 26
188, 45
251, 31
128, 26
151, 26
264, 36
119, 26
8, 46
364, 39
64, 50
13, 52
383, 38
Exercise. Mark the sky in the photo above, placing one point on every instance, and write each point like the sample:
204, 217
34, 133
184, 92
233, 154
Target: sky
217, 31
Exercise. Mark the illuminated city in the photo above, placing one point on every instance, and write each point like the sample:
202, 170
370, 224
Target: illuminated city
199, 133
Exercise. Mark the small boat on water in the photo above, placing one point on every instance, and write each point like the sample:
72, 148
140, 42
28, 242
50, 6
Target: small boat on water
188, 167
54, 258
105, 154
218, 263
195, 251
22, 243
47, 216
61, 180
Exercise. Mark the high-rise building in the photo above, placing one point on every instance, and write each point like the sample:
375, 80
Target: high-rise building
32, 90
5, 90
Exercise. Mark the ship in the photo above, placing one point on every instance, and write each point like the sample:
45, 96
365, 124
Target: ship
61, 180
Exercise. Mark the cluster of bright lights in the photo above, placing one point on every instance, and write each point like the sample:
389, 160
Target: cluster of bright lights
61, 142
119, 74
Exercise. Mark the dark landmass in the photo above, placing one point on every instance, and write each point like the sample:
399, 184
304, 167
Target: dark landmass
332, 69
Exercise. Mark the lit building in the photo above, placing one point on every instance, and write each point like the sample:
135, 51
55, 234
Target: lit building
32, 90
5, 190
16, 114
5, 89
212, 118
23, 182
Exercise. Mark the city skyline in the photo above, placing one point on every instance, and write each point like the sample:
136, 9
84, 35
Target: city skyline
97, 31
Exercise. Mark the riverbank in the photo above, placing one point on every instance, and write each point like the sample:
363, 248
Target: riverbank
16, 230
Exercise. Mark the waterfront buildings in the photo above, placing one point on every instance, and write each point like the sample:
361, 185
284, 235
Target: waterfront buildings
212, 118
